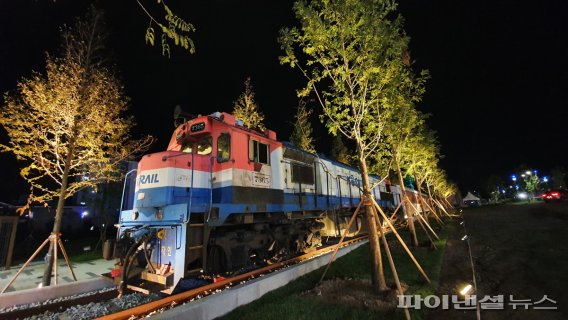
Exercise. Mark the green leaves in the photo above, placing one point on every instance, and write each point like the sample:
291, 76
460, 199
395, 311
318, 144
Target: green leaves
150, 36
177, 30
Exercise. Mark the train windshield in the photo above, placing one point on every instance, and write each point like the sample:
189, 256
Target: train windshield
203, 146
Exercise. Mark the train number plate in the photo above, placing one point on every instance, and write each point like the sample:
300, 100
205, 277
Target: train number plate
197, 127
261, 180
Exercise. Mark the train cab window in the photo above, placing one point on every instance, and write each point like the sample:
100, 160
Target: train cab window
204, 146
258, 152
187, 147
224, 147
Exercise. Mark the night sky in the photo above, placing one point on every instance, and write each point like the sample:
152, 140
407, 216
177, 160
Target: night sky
497, 96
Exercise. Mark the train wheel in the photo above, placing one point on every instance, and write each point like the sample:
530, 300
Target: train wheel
216, 260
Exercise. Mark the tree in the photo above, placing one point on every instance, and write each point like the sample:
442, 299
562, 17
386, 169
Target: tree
399, 129
532, 182
67, 126
246, 109
339, 151
355, 52
420, 157
302, 134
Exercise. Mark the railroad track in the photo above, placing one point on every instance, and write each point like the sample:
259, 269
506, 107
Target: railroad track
177, 299
58, 305
142, 310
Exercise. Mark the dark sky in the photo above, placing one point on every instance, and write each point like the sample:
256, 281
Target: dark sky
497, 96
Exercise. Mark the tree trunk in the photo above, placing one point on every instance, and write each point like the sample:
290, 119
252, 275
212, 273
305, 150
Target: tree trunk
377, 272
58, 214
407, 210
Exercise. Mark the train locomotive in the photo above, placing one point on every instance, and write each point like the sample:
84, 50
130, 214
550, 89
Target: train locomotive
223, 198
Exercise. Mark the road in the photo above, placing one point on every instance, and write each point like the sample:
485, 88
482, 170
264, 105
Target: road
519, 251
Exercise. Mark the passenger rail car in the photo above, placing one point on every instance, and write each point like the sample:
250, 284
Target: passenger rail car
223, 197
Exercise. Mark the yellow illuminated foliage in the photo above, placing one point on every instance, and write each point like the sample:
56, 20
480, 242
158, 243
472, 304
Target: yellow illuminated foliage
302, 133
173, 29
246, 109
67, 127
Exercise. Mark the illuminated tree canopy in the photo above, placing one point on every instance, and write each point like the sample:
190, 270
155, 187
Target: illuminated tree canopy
68, 124
68, 127
246, 109
302, 133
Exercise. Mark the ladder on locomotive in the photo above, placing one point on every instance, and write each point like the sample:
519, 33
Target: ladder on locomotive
196, 246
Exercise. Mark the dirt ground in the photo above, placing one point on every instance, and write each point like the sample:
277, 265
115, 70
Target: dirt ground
518, 251
356, 293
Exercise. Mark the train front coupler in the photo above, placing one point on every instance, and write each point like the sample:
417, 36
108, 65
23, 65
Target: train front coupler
133, 249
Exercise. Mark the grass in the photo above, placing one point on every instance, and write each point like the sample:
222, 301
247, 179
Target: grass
287, 303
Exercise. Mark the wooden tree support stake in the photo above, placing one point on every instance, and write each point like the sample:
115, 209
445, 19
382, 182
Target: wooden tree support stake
391, 263
395, 210
56, 239
434, 213
442, 207
402, 242
421, 224
341, 240
424, 220
427, 234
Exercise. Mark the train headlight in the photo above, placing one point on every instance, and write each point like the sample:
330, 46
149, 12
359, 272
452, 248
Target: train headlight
159, 214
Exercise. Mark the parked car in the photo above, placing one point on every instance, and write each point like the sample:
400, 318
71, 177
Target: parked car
555, 195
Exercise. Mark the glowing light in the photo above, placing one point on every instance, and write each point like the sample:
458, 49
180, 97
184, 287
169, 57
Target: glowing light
84, 214
545, 179
465, 290
405, 217
528, 172
522, 195
464, 237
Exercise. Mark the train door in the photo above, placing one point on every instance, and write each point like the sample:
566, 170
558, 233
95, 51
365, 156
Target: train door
259, 155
